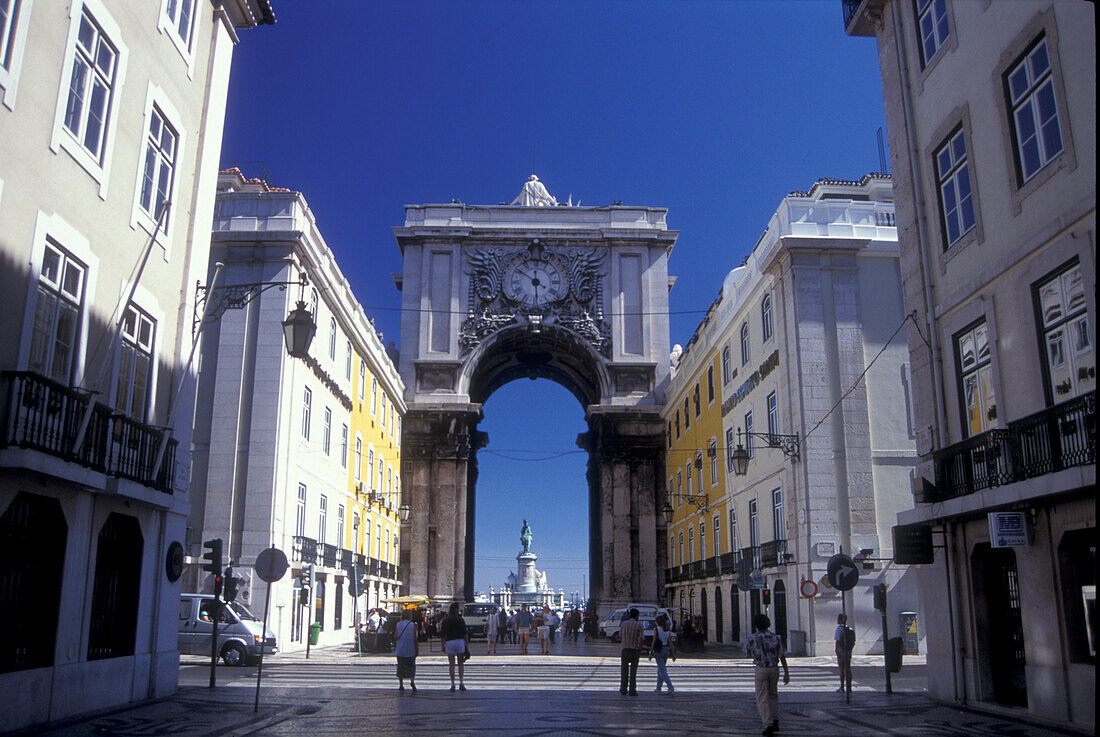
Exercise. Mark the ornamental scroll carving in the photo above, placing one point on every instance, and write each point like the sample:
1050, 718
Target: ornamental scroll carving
577, 308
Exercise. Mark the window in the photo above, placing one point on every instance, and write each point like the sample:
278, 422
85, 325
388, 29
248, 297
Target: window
344, 446
777, 514
381, 472
382, 413
392, 423
727, 366
934, 27
313, 304
699, 472
160, 162
340, 525
326, 435
112, 625
717, 535
753, 539
373, 396
710, 384
300, 518
672, 551
1067, 340
679, 487
773, 418
389, 486
1077, 569
307, 404
766, 317
695, 399
9, 22
332, 338
748, 435
362, 380
975, 374
322, 518
1035, 125
735, 535
712, 451
370, 467
691, 544
682, 558
677, 424
956, 197
347, 360
135, 364
702, 539
744, 343
729, 450
687, 474
57, 314
179, 13
359, 459
687, 413
378, 542
91, 87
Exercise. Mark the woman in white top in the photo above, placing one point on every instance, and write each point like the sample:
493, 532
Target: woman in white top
491, 629
662, 647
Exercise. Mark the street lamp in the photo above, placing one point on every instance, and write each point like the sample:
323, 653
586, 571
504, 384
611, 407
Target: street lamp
786, 443
405, 510
298, 330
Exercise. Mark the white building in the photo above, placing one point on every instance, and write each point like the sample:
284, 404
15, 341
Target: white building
108, 108
790, 351
991, 111
294, 454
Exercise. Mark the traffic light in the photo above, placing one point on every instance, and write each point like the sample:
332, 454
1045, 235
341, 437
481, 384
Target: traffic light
230, 586
213, 556
880, 597
303, 588
767, 597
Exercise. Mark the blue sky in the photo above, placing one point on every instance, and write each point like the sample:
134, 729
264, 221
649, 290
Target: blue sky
715, 110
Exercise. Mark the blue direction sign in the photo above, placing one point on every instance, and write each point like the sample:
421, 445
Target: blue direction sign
842, 572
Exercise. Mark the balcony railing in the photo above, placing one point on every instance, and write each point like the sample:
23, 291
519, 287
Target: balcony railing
329, 555
773, 554
304, 550
1057, 438
44, 415
710, 567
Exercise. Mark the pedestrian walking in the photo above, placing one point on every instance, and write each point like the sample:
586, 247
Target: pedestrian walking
555, 623
406, 648
491, 625
503, 625
661, 649
542, 629
456, 643
768, 653
512, 626
631, 633
524, 620
845, 638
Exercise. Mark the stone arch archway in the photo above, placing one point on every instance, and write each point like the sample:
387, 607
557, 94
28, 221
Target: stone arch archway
575, 295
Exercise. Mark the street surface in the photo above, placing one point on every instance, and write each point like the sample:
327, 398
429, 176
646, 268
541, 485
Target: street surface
573, 691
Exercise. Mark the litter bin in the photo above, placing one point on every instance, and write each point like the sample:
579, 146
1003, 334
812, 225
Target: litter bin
894, 646
796, 643
314, 633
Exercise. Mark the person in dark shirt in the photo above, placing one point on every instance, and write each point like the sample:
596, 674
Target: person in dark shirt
456, 641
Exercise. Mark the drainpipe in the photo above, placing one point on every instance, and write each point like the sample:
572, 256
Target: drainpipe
930, 315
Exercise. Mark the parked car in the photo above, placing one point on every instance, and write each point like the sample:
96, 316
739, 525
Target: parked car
647, 615
241, 636
476, 615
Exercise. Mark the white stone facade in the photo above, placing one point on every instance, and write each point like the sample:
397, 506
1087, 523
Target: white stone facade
1002, 282
107, 108
286, 449
787, 345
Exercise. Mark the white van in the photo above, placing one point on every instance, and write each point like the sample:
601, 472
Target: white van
647, 615
476, 614
240, 634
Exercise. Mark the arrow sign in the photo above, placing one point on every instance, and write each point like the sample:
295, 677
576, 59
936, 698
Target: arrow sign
842, 572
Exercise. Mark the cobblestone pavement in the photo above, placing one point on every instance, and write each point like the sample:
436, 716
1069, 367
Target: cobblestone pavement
571, 692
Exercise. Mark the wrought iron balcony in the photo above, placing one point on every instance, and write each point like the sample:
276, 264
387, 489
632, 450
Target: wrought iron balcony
727, 562
710, 567
329, 554
1057, 438
44, 415
304, 550
773, 554
752, 554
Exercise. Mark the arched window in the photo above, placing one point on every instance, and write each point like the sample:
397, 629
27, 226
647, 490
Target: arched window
117, 585
32, 557
766, 316
744, 343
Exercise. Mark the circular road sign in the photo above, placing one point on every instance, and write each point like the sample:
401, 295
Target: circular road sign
808, 589
271, 565
744, 582
842, 572
173, 561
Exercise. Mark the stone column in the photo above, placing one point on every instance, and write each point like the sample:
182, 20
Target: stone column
438, 443
626, 466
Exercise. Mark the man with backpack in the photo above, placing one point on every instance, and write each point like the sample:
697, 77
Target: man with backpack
845, 642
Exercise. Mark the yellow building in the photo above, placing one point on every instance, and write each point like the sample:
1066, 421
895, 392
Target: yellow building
374, 471
697, 531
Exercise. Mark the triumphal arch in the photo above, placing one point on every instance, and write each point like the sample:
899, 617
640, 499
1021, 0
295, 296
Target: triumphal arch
535, 289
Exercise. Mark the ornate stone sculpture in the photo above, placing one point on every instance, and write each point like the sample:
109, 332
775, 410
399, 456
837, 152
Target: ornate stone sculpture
534, 194
525, 537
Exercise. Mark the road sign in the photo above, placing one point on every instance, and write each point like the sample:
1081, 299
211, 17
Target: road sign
842, 572
271, 565
744, 582
808, 589
759, 581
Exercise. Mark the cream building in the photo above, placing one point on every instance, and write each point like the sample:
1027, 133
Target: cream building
991, 110
108, 109
792, 350
301, 455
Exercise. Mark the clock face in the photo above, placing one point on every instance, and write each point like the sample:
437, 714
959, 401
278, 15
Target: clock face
535, 283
